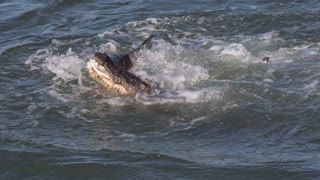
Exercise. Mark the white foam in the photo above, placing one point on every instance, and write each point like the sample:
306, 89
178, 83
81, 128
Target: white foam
57, 95
116, 101
310, 88
237, 50
189, 125
127, 136
66, 66
203, 95
153, 20
104, 34
182, 96
113, 32
312, 85
233, 8
253, 7
110, 46
268, 36
166, 65
35, 59
216, 48
268, 80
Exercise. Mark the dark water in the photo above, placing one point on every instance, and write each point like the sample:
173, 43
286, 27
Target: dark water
222, 112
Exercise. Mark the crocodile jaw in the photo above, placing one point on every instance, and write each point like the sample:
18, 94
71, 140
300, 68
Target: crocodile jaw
102, 75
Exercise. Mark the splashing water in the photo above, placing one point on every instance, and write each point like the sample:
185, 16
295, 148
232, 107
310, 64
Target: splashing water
218, 88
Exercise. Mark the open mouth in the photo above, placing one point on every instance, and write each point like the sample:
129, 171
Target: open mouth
98, 73
117, 80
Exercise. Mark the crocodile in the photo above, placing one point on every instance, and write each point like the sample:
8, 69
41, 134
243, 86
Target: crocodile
112, 71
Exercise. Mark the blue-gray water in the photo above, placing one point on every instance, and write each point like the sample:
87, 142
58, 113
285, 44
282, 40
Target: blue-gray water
222, 113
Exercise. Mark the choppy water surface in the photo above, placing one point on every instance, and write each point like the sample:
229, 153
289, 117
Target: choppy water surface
221, 113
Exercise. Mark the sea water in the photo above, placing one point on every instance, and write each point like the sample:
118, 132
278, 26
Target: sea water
220, 111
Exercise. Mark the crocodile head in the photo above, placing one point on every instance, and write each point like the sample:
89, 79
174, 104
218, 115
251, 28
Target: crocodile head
112, 71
